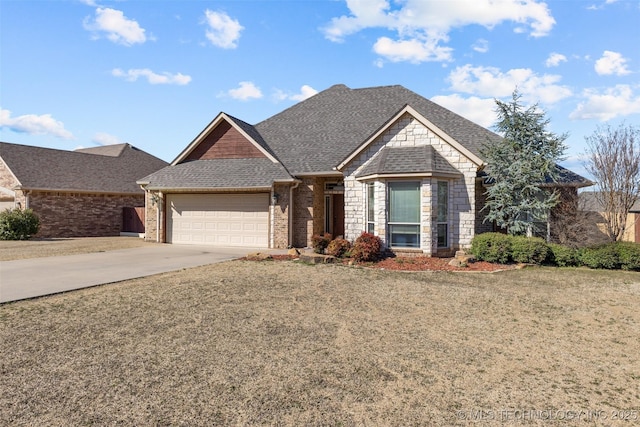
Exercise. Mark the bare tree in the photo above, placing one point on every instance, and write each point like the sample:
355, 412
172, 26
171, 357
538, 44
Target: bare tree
613, 158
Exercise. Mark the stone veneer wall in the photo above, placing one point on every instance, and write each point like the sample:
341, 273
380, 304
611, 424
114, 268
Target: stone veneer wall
8, 182
409, 132
67, 214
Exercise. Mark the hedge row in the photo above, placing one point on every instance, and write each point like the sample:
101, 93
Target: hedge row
503, 249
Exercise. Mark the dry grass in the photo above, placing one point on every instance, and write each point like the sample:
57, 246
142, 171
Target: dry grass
36, 248
282, 343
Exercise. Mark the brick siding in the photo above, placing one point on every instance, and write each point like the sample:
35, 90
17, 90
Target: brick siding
65, 214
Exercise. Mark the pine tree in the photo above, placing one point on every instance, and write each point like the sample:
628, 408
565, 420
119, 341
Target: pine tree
520, 167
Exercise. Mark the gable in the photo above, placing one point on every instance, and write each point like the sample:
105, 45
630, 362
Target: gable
224, 142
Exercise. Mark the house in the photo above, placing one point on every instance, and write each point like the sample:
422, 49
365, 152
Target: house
383, 160
87, 192
594, 211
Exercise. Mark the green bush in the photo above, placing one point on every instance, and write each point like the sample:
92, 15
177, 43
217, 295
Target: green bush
18, 224
562, 256
529, 250
628, 255
367, 248
601, 256
492, 247
320, 242
338, 247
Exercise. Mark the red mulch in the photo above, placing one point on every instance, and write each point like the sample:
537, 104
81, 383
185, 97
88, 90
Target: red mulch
420, 263
436, 264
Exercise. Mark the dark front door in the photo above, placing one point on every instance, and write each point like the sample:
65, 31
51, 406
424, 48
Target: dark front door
337, 221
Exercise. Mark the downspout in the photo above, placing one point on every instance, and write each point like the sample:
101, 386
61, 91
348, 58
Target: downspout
160, 207
27, 199
293, 187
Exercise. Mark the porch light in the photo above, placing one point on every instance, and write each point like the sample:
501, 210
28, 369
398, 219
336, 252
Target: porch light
274, 198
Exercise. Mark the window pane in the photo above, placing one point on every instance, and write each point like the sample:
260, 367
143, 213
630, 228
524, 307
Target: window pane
443, 201
405, 236
404, 202
443, 231
370, 201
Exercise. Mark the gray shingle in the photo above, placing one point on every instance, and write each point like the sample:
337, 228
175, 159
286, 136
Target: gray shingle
317, 134
398, 160
50, 169
218, 174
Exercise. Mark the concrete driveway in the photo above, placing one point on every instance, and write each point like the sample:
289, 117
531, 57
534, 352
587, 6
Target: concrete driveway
31, 278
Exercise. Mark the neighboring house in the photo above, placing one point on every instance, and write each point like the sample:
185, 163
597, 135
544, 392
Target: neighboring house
595, 212
87, 192
382, 159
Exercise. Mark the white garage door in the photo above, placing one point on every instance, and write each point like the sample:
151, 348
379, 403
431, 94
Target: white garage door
218, 219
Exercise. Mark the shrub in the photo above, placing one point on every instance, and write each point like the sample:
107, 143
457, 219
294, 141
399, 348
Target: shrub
628, 255
367, 248
338, 247
320, 242
562, 256
530, 250
18, 224
601, 256
492, 247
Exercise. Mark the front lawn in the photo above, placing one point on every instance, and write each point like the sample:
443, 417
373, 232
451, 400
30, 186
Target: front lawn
284, 343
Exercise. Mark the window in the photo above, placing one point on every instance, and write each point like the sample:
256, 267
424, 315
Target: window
404, 214
443, 214
371, 198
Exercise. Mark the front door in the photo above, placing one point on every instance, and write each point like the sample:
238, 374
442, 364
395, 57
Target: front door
338, 214
334, 214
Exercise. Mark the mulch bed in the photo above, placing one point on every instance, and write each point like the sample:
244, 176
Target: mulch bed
419, 263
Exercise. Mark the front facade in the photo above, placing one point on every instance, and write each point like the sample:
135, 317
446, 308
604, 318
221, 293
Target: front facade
82, 193
382, 160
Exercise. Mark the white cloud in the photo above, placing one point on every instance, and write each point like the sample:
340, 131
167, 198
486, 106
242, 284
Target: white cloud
555, 59
611, 63
223, 31
118, 28
34, 125
414, 50
102, 138
306, 91
422, 26
246, 91
478, 110
481, 45
611, 103
153, 78
490, 81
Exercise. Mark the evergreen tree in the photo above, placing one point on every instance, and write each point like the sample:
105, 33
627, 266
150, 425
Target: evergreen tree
520, 167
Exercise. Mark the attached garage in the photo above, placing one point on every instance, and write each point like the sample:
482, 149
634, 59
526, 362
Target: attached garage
218, 219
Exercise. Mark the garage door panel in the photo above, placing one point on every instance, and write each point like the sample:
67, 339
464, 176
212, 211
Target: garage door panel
218, 219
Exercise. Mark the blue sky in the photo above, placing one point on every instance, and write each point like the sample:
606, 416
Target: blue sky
81, 73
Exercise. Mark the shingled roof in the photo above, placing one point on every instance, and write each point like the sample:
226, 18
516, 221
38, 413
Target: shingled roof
218, 173
108, 169
317, 134
407, 160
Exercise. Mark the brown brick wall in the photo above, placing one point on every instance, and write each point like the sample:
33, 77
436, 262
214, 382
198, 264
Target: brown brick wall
224, 142
303, 208
281, 217
150, 226
80, 215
